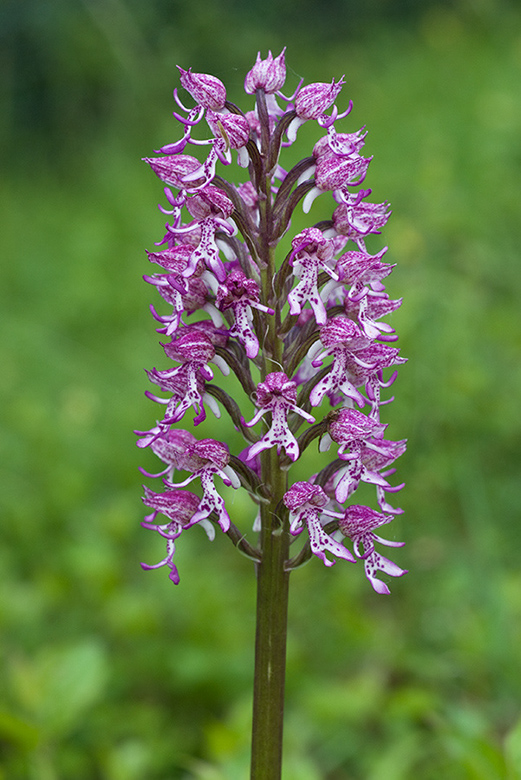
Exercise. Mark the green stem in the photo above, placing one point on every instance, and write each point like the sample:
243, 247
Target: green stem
272, 575
270, 641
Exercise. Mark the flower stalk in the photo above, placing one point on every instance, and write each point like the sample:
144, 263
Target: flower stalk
304, 336
271, 629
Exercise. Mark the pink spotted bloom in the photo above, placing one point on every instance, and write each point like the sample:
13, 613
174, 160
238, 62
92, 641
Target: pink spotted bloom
365, 452
241, 295
179, 506
208, 458
359, 524
278, 395
297, 321
311, 254
306, 503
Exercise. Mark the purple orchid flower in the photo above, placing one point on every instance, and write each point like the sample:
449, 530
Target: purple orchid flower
179, 506
311, 254
241, 294
278, 395
359, 523
364, 449
319, 318
306, 503
210, 458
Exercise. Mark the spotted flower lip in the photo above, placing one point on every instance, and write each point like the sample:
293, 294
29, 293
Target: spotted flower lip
278, 395
359, 523
357, 361
193, 349
365, 453
211, 458
306, 502
187, 389
241, 295
311, 254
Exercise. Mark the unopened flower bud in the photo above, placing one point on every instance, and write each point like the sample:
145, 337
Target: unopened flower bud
208, 91
314, 99
268, 74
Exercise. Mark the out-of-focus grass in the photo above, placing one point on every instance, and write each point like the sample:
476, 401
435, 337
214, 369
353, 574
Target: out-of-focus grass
110, 672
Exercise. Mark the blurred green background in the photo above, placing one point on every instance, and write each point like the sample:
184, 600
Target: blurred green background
109, 672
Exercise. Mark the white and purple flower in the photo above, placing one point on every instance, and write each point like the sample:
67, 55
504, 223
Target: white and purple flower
359, 524
306, 503
294, 332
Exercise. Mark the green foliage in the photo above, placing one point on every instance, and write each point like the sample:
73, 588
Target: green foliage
111, 672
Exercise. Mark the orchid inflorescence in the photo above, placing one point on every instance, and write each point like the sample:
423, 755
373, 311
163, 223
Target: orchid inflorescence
296, 334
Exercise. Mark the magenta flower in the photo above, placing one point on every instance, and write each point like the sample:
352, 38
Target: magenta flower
335, 172
278, 395
313, 100
208, 458
182, 293
211, 207
339, 166
171, 447
355, 219
344, 341
174, 168
179, 507
311, 254
304, 332
365, 453
306, 503
193, 349
358, 524
241, 294
368, 310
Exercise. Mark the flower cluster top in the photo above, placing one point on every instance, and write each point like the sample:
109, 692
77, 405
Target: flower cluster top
300, 332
